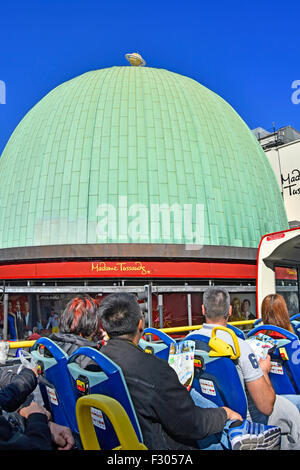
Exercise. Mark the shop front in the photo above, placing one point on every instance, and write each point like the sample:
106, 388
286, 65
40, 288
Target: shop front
172, 290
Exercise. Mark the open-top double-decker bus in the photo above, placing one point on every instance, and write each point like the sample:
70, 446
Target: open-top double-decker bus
278, 268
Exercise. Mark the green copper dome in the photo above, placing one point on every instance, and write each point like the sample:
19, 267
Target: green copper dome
117, 155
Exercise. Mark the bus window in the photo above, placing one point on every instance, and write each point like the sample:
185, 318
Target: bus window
287, 284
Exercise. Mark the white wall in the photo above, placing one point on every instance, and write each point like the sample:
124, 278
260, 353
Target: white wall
285, 162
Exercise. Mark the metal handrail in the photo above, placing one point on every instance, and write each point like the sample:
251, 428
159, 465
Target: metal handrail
177, 329
20, 344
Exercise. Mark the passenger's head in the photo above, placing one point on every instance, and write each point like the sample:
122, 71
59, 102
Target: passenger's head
216, 304
121, 315
81, 317
274, 312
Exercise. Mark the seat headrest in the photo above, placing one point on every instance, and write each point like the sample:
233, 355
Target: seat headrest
220, 348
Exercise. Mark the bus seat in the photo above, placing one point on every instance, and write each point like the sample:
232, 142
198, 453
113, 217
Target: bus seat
90, 410
237, 331
105, 379
257, 322
217, 379
54, 382
285, 371
160, 350
295, 317
295, 321
296, 326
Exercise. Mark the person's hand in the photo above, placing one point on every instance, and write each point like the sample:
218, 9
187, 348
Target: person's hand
33, 408
265, 364
232, 415
62, 436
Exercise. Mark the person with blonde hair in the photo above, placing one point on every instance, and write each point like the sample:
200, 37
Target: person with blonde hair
274, 312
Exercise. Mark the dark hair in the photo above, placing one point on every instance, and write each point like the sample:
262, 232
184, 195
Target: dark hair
81, 317
120, 314
216, 301
243, 303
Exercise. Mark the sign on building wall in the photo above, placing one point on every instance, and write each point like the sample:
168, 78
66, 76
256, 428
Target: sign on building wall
285, 161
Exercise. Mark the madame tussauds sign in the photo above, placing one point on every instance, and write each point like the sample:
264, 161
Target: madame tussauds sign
291, 183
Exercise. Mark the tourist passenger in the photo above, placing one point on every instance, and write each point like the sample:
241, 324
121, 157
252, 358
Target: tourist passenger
80, 325
264, 405
168, 417
274, 312
38, 434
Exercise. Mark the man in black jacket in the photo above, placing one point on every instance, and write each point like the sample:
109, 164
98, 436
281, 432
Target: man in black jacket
168, 417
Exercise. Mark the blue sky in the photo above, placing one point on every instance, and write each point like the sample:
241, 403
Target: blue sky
247, 52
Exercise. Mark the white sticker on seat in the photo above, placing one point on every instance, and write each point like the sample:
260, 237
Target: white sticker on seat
52, 395
207, 387
276, 368
97, 418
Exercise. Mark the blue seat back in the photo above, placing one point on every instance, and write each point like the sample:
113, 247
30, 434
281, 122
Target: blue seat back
107, 380
295, 321
295, 317
237, 331
160, 350
285, 370
54, 382
296, 326
219, 381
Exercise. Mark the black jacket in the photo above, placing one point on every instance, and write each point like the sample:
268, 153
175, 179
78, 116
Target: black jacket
14, 395
70, 343
37, 435
168, 417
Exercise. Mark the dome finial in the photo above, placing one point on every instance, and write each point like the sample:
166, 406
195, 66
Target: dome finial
135, 59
